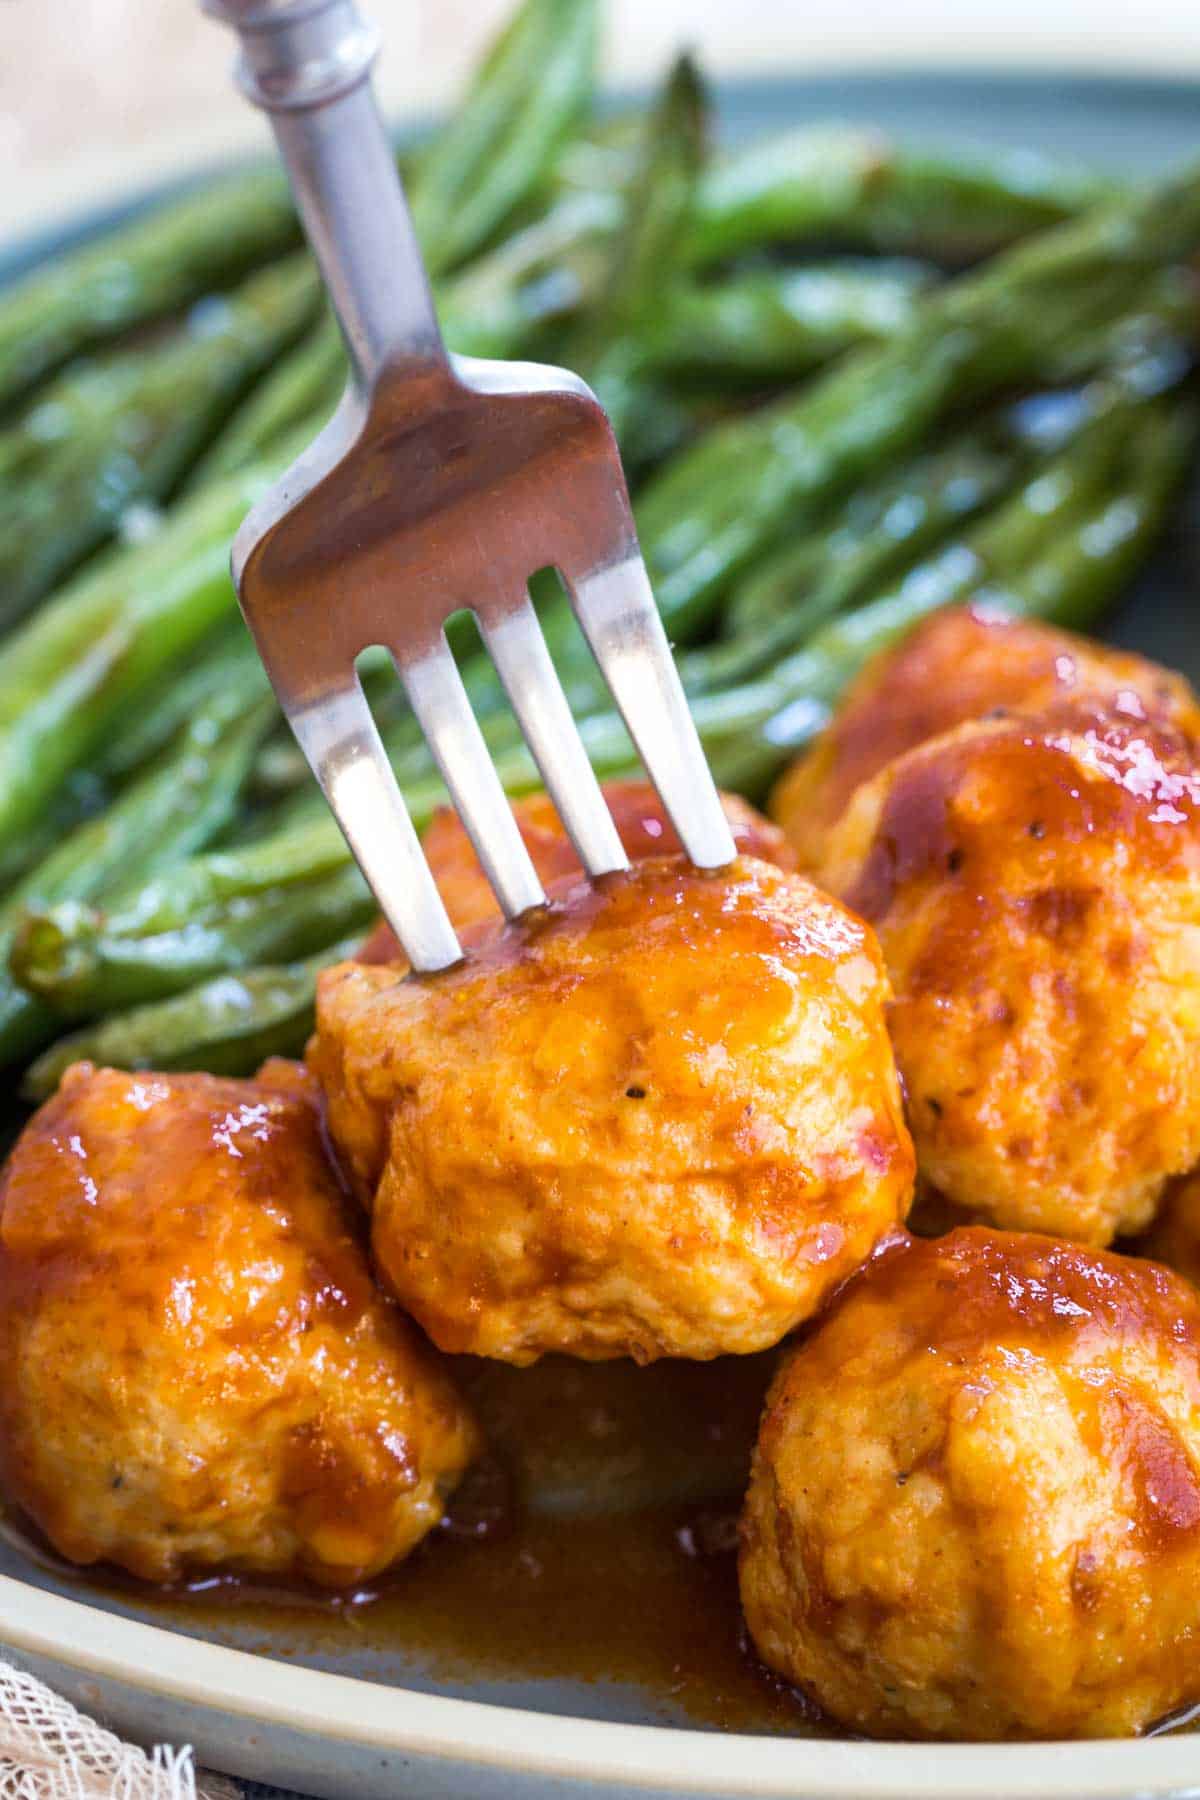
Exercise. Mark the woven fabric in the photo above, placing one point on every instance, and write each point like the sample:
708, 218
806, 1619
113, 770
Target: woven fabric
48, 1751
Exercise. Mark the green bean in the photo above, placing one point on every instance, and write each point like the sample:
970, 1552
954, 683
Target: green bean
729, 499
180, 804
607, 345
1082, 567
299, 393
211, 953
850, 186
186, 893
777, 324
69, 675
223, 910
1059, 546
871, 536
657, 203
200, 915
502, 303
226, 658
273, 897
1076, 515
85, 793
878, 532
126, 429
84, 962
227, 1026
529, 94
168, 941
226, 662
161, 261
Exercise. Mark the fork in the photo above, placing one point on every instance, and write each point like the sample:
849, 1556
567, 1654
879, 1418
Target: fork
441, 483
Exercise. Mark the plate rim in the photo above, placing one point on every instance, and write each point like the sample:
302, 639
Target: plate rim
519, 1742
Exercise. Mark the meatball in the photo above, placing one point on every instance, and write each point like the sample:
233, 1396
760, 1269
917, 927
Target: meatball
1036, 890
641, 823
961, 664
658, 1118
198, 1372
975, 1504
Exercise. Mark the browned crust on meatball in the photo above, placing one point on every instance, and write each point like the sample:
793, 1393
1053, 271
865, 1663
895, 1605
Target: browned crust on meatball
975, 1505
1036, 889
962, 663
659, 1119
199, 1371
642, 826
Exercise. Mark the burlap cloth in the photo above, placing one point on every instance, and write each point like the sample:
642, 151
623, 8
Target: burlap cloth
48, 1751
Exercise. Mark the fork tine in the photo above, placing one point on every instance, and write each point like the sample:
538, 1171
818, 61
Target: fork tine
339, 737
518, 649
617, 614
436, 694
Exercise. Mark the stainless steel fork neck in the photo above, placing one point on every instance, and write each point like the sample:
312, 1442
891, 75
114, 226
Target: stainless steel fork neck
298, 53
307, 63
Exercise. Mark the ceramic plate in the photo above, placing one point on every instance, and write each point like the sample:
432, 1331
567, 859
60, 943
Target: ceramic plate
355, 1702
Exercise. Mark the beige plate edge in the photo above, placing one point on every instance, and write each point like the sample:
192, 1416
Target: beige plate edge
465, 1734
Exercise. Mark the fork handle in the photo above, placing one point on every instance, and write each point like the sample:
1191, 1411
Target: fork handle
308, 64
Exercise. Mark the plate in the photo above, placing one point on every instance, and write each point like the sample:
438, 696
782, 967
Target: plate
339, 1705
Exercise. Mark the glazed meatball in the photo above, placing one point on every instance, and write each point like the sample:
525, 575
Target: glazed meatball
658, 1118
642, 827
1036, 890
198, 1372
975, 1504
961, 664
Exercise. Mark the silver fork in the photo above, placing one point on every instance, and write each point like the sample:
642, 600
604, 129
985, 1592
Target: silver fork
441, 483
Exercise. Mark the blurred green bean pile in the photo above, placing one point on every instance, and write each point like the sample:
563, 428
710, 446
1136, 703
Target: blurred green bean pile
852, 382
